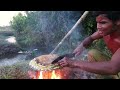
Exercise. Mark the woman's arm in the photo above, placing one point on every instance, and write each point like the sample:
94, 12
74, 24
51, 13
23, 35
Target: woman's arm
104, 67
86, 42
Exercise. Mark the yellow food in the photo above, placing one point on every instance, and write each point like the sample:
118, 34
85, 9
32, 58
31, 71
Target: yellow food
43, 62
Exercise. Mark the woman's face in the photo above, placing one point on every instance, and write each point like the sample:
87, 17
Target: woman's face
105, 26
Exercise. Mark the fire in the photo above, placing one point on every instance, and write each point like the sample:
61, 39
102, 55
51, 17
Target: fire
62, 73
48, 75
54, 76
40, 76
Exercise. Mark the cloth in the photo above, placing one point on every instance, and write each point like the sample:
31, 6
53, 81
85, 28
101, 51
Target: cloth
96, 55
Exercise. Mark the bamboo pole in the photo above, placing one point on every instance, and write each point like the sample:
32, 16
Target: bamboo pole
78, 22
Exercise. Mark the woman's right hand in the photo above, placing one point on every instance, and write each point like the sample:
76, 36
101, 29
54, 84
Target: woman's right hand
65, 62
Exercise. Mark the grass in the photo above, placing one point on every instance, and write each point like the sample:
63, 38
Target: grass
15, 71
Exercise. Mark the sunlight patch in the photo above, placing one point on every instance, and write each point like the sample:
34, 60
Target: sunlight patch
11, 40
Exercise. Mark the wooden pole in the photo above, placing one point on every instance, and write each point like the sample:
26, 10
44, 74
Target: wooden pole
78, 22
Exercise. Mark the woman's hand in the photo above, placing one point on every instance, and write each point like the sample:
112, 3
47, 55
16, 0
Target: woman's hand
66, 62
79, 50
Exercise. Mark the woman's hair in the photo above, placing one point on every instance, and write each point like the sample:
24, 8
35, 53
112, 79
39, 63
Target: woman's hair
112, 15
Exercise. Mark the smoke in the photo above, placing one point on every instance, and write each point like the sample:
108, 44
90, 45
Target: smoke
52, 26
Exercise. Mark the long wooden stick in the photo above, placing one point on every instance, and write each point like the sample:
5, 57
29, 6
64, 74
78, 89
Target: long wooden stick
79, 21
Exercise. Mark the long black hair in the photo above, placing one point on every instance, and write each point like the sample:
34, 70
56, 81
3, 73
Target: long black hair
112, 15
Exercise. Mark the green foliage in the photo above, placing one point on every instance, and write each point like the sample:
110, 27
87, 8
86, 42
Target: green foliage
18, 23
89, 24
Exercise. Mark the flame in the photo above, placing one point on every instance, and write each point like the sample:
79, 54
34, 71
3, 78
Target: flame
48, 75
40, 75
54, 76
